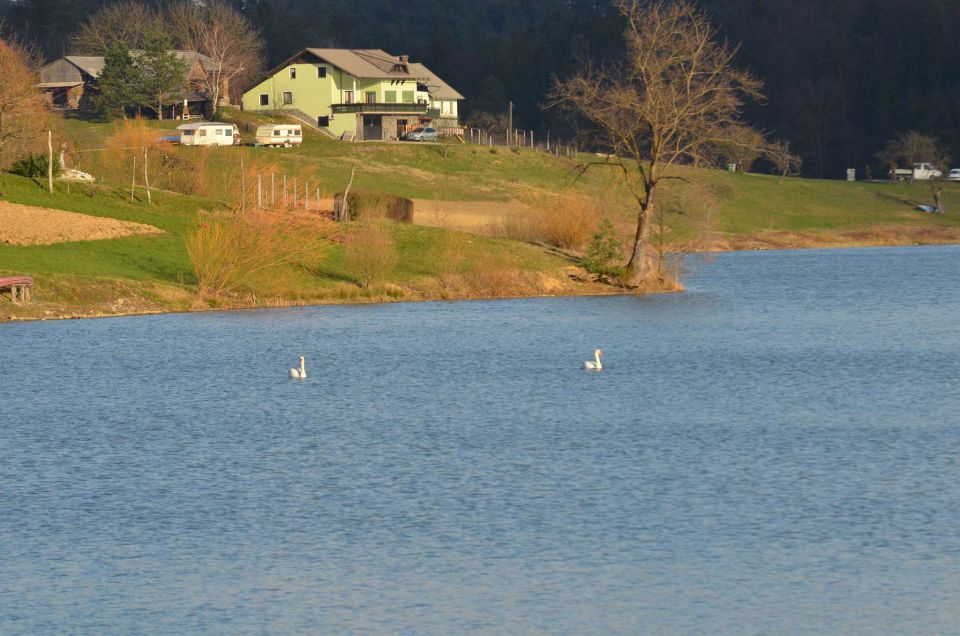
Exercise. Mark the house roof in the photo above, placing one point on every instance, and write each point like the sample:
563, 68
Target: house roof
435, 86
366, 63
374, 64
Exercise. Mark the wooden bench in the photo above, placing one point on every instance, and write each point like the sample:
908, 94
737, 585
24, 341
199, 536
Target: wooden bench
19, 286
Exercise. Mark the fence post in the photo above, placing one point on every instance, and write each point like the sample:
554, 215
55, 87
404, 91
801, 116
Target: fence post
294, 192
243, 187
50, 162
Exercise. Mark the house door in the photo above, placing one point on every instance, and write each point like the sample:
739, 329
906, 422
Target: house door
372, 128
401, 128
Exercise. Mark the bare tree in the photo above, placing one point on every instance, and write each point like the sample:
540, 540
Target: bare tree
676, 93
742, 148
814, 109
22, 118
223, 34
126, 22
911, 148
779, 154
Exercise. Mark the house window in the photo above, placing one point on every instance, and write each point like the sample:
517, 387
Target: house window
264, 99
371, 98
390, 97
287, 97
323, 122
321, 72
202, 132
408, 97
348, 97
293, 72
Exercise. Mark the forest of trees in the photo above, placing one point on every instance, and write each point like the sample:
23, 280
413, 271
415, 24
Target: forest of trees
842, 77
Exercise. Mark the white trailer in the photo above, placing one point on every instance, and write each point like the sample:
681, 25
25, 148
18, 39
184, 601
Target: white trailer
279, 135
208, 134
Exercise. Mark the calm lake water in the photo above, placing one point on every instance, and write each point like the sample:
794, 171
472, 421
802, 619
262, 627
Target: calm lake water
776, 451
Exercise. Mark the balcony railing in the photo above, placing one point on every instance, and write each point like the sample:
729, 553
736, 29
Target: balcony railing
417, 109
433, 112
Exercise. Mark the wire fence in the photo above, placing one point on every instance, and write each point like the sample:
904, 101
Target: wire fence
519, 138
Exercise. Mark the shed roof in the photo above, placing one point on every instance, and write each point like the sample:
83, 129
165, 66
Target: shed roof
58, 84
93, 64
90, 64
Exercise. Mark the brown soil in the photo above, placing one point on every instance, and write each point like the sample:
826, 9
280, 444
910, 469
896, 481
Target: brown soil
28, 225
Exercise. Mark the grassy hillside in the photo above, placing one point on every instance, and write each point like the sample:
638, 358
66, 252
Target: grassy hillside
708, 209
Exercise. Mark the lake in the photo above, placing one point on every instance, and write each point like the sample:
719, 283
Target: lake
776, 451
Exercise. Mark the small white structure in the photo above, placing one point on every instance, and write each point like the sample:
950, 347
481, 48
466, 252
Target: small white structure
279, 135
208, 134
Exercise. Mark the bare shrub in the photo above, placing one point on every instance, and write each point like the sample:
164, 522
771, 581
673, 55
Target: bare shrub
566, 220
371, 252
22, 116
513, 228
492, 274
123, 161
228, 250
451, 255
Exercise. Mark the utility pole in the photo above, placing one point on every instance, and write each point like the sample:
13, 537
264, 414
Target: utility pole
510, 124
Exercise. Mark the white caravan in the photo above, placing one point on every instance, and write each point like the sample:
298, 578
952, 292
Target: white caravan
279, 135
208, 134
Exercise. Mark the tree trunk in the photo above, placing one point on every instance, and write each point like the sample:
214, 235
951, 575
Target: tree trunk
159, 108
637, 266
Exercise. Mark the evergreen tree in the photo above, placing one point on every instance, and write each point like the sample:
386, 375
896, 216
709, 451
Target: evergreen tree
119, 83
162, 73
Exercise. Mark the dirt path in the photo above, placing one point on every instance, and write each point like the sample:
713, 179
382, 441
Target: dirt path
465, 216
28, 225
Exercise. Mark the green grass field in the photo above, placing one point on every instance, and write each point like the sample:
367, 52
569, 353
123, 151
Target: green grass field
738, 208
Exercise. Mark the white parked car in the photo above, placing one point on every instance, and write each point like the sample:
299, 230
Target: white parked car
919, 172
954, 175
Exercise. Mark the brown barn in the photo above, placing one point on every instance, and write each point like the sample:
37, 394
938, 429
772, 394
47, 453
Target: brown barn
69, 81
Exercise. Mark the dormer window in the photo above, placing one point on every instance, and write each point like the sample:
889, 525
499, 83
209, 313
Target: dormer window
321, 72
293, 72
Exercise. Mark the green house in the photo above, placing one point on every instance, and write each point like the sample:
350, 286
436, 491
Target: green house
357, 93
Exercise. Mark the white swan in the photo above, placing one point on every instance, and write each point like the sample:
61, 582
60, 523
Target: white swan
301, 373
595, 364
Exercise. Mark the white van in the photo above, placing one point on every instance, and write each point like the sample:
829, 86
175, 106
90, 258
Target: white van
208, 134
279, 135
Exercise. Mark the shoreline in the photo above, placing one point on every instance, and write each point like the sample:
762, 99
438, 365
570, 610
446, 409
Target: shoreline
186, 302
